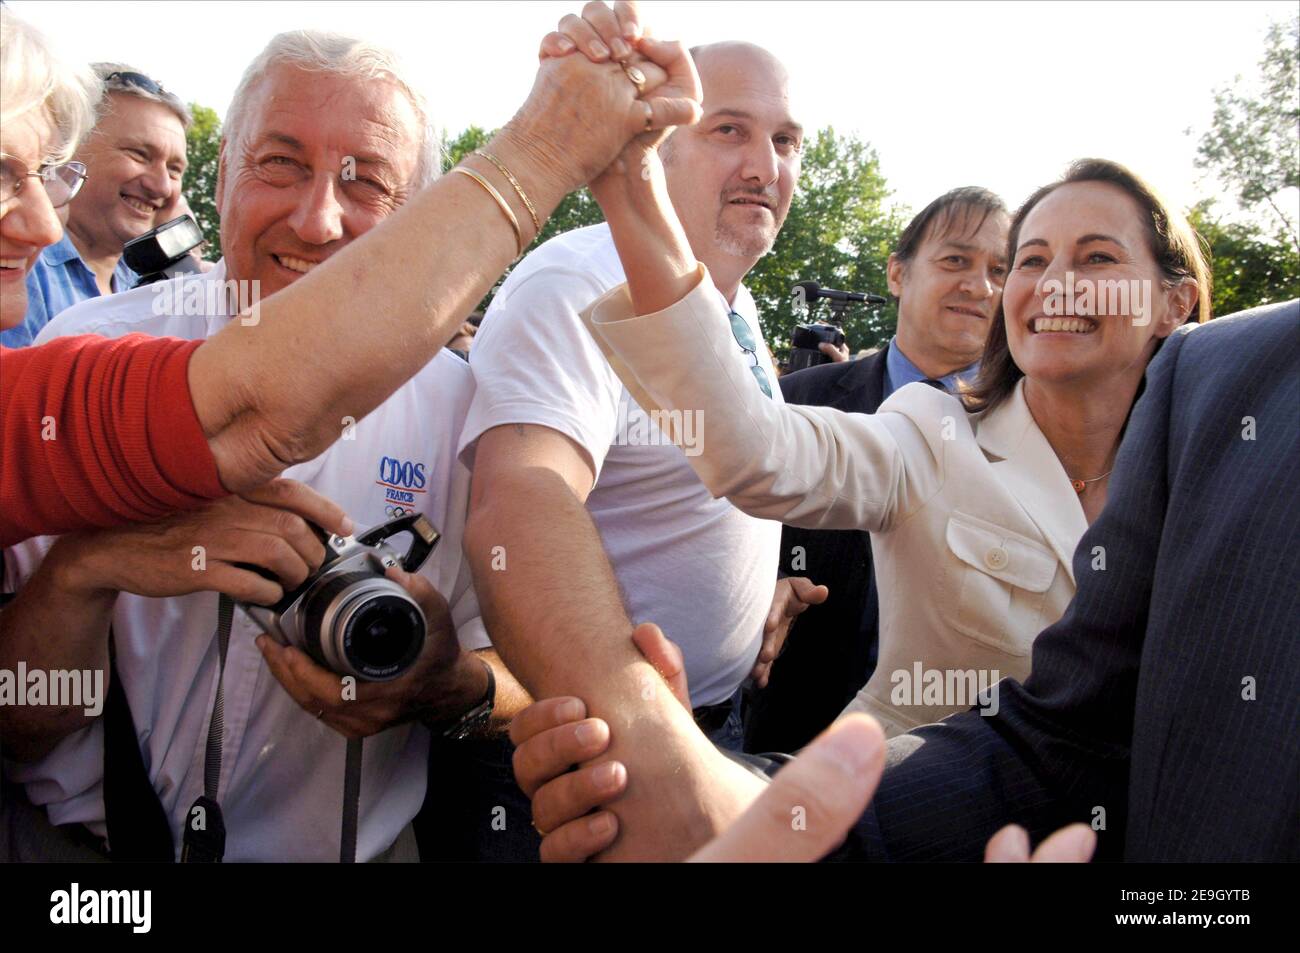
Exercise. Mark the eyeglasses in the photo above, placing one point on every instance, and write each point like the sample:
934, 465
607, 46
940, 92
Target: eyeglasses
139, 80
745, 338
61, 181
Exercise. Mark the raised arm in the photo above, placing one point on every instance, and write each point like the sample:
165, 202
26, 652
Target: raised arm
806, 466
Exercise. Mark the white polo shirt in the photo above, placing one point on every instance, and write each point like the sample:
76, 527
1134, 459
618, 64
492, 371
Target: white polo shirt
700, 568
281, 786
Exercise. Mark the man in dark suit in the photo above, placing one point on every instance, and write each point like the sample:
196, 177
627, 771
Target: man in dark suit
1164, 706
946, 273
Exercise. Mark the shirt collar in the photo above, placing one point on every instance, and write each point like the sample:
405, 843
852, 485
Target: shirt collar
900, 371
743, 306
61, 252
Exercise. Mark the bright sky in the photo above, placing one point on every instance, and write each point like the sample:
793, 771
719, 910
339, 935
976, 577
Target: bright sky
970, 93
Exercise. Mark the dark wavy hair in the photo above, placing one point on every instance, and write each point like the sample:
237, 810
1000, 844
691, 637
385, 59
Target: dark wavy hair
1178, 251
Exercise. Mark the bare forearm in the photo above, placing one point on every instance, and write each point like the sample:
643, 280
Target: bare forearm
55, 623
548, 594
555, 614
657, 259
552, 604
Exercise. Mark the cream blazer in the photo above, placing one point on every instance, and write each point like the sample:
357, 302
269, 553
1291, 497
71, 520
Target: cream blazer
973, 521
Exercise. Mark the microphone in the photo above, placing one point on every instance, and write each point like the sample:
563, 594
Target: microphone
812, 291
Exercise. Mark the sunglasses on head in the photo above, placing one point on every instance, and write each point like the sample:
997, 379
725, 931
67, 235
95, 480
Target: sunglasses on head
138, 80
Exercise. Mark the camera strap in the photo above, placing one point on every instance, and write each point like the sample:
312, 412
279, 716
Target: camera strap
205, 827
351, 802
137, 824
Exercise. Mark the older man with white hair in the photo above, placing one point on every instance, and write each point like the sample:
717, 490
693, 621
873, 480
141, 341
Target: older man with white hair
325, 138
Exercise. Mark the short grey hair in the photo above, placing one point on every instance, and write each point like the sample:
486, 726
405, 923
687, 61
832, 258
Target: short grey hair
116, 84
32, 77
317, 51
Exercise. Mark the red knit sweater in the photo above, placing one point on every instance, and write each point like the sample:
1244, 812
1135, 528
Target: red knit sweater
99, 432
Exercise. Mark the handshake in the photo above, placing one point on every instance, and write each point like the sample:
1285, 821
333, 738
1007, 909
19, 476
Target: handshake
802, 815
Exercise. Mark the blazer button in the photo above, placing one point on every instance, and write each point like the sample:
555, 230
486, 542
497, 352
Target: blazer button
996, 558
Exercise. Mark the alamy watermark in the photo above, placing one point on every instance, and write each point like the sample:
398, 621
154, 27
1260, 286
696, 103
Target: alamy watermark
1086, 297
58, 688
947, 688
660, 428
77, 906
193, 298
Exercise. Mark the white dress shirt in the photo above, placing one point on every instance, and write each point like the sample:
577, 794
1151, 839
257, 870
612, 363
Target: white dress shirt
973, 520
281, 786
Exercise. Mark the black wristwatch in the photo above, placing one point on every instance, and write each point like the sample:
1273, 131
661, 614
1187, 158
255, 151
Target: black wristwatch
476, 718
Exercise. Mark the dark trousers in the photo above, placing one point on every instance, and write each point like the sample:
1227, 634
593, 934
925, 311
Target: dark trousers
474, 810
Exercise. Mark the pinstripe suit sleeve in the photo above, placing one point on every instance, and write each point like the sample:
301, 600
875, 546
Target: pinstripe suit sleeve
1058, 748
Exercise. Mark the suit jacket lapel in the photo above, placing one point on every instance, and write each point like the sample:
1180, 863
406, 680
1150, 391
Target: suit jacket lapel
1033, 475
862, 387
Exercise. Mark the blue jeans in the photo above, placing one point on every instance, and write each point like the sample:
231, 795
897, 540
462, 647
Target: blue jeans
732, 733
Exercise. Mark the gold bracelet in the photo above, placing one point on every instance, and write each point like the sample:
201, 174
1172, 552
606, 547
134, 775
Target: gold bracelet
519, 189
505, 206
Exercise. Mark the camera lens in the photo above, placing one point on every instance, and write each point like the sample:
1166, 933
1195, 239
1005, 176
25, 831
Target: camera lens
381, 634
364, 625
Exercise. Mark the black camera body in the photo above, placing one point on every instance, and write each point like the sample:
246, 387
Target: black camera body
164, 252
805, 341
347, 615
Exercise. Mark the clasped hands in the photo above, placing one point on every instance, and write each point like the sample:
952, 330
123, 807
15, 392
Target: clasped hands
659, 76
828, 786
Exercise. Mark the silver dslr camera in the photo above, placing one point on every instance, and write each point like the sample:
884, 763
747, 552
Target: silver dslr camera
347, 615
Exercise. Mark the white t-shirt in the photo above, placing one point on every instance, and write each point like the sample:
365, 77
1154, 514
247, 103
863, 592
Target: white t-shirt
698, 567
281, 785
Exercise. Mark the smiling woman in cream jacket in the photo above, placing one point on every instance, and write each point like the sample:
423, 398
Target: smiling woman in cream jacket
975, 503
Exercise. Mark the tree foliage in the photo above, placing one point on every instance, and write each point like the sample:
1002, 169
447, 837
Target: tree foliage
1251, 267
202, 146
1253, 145
839, 233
